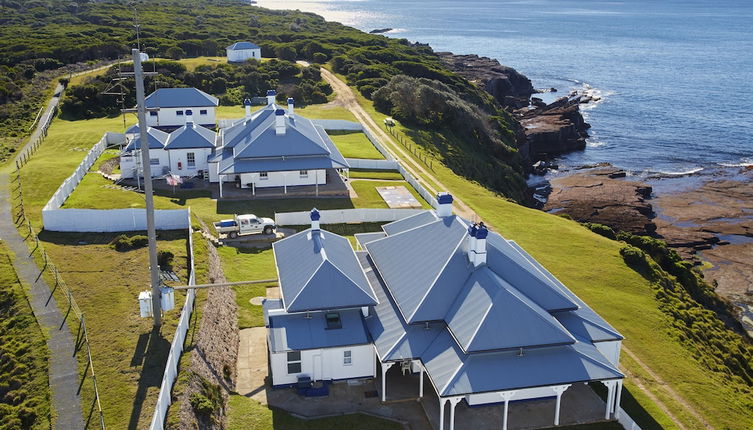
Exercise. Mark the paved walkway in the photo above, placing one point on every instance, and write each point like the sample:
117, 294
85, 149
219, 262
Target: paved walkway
63, 370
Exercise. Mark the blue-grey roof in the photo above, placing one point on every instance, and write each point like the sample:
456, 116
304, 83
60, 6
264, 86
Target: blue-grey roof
364, 238
180, 97
511, 266
296, 332
237, 46
424, 268
318, 270
191, 135
156, 139
454, 373
409, 222
488, 303
132, 129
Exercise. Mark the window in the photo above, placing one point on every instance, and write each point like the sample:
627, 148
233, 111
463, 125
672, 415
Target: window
154, 161
333, 320
304, 174
263, 176
202, 112
347, 358
152, 113
179, 113
294, 362
191, 159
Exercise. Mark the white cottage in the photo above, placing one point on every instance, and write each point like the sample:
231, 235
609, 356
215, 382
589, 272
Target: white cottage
275, 148
130, 156
167, 108
241, 51
189, 148
316, 330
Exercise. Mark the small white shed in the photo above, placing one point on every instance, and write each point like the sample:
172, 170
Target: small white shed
241, 51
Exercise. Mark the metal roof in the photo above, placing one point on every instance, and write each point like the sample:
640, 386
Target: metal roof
132, 129
364, 238
156, 139
454, 373
180, 97
409, 222
237, 46
424, 268
488, 303
296, 332
318, 270
191, 135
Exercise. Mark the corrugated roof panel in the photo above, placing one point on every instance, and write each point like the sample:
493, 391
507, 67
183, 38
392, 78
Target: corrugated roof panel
319, 270
289, 164
154, 137
409, 222
297, 332
238, 46
503, 259
263, 141
191, 136
440, 297
180, 97
364, 238
411, 262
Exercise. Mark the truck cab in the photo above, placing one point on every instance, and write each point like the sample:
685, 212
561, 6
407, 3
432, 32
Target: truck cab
243, 225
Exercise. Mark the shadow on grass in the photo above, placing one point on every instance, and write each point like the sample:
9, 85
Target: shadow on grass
76, 239
152, 360
629, 403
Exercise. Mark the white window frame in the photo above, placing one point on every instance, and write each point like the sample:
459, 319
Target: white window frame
263, 176
298, 361
347, 357
179, 112
203, 112
303, 174
191, 160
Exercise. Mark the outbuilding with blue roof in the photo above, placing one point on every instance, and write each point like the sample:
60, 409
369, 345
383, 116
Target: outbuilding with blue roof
239, 52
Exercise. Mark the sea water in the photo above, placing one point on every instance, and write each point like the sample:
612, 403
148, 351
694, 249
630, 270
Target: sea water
675, 77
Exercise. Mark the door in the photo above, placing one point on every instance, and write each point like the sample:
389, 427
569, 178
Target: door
317, 368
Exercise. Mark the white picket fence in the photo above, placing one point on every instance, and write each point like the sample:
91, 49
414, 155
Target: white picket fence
345, 216
627, 422
102, 220
176, 349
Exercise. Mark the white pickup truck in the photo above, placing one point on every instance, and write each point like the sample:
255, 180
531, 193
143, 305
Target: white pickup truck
243, 225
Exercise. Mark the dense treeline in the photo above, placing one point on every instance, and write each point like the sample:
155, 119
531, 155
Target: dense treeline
696, 312
230, 82
24, 392
86, 30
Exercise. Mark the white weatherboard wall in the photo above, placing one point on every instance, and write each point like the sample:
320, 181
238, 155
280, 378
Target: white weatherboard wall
168, 117
325, 364
239, 55
129, 164
345, 216
176, 348
279, 179
180, 156
103, 220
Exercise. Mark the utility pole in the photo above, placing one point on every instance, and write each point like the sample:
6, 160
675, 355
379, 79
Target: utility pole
147, 169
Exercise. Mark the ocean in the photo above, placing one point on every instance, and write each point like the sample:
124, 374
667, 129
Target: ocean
675, 77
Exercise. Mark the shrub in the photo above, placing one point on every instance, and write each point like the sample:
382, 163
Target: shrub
124, 243
165, 259
601, 230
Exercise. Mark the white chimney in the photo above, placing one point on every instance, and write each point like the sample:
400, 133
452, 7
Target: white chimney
280, 122
189, 117
247, 105
472, 230
477, 252
444, 207
315, 219
271, 94
291, 105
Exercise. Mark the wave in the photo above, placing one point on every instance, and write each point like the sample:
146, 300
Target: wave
744, 162
673, 174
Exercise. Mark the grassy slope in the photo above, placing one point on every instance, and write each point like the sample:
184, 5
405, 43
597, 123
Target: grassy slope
128, 357
355, 145
24, 356
592, 267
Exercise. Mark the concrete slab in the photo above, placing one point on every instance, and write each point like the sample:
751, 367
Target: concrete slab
252, 364
398, 197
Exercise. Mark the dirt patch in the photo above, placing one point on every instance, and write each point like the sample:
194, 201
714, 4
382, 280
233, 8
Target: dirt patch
213, 359
108, 166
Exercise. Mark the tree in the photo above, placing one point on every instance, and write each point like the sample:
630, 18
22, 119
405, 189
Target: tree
175, 53
286, 52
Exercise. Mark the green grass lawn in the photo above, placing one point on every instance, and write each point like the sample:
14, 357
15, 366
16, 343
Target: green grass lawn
369, 197
387, 175
247, 414
128, 357
592, 267
355, 145
24, 381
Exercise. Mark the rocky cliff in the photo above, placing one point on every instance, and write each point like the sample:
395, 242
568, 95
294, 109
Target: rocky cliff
549, 129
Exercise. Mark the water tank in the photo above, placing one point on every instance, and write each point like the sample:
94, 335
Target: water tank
145, 304
167, 301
